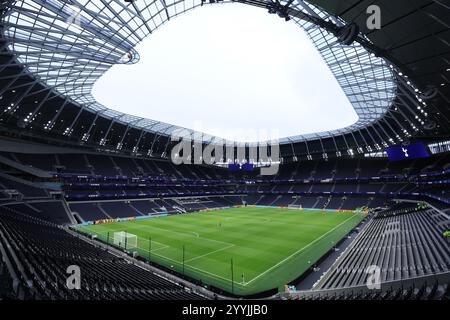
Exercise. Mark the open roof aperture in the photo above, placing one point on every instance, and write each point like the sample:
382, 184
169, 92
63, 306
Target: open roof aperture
231, 71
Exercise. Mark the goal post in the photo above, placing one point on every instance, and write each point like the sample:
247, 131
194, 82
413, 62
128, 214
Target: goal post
125, 240
295, 206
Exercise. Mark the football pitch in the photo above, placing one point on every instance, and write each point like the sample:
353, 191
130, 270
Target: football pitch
243, 250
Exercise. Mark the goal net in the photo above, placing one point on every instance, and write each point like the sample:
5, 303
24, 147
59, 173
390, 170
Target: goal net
125, 240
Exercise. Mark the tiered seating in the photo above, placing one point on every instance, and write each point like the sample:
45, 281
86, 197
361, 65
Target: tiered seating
376, 202
127, 166
27, 190
22, 207
41, 161
337, 168
346, 168
321, 187
6, 287
325, 169
371, 167
102, 165
307, 202
53, 211
304, 170
155, 181
351, 203
335, 202
372, 187
118, 209
433, 291
74, 163
47, 210
345, 187
145, 206
44, 251
88, 211
322, 202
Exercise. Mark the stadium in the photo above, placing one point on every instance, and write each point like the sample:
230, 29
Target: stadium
101, 204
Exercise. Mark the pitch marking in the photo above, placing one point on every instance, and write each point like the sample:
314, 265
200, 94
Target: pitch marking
206, 254
188, 233
296, 252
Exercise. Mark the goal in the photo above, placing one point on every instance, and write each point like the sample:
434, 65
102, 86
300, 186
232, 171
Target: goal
125, 240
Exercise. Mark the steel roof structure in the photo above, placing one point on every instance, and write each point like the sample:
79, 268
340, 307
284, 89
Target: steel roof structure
53, 51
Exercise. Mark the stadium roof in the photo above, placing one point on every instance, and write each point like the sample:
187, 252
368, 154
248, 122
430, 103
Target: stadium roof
54, 51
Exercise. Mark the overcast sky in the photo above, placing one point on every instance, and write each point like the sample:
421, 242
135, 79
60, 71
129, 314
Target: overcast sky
233, 71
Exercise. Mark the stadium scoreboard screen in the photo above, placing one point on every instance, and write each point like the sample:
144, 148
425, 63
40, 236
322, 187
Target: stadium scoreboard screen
411, 151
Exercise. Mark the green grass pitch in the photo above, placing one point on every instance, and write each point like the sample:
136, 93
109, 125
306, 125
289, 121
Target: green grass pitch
269, 246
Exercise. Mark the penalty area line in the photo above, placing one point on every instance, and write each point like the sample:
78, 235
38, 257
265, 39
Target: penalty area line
208, 253
298, 251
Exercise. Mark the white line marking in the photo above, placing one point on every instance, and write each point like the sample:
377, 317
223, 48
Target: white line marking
163, 247
201, 270
187, 233
229, 280
206, 254
296, 252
